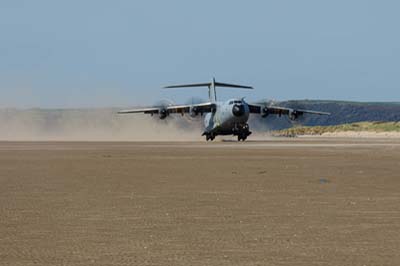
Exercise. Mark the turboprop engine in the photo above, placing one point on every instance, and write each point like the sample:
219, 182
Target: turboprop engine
193, 112
294, 115
264, 112
162, 113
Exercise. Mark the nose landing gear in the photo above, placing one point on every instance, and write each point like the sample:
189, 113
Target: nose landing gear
242, 132
243, 136
209, 136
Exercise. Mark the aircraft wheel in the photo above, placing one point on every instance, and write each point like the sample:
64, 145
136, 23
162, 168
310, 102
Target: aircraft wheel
212, 136
242, 137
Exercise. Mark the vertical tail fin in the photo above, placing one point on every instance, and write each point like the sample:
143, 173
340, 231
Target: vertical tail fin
212, 91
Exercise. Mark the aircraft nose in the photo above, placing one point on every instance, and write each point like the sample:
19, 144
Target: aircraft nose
238, 110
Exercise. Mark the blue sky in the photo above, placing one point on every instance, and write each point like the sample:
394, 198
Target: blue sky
119, 53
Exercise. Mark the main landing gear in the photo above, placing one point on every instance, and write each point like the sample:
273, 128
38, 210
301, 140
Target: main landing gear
240, 130
210, 136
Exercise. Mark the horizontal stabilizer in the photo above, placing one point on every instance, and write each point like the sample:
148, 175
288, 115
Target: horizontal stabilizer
212, 93
188, 85
209, 84
219, 84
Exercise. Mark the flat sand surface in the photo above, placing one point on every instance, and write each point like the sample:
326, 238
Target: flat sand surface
278, 202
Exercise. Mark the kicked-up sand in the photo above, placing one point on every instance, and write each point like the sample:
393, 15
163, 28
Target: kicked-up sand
278, 202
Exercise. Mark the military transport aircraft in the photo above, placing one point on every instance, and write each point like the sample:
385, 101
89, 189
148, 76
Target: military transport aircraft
222, 118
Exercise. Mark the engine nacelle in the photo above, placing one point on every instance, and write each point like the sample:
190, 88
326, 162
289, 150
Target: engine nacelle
294, 115
193, 112
163, 113
264, 112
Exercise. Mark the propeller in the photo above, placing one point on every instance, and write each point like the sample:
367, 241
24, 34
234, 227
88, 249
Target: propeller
163, 104
186, 118
193, 116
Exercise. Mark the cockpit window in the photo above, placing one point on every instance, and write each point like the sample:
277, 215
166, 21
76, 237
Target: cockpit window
231, 102
238, 101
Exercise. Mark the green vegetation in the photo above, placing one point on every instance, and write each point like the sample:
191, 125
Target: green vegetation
355, 127
306, 101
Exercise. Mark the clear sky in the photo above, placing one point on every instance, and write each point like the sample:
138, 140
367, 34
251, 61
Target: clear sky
119, 53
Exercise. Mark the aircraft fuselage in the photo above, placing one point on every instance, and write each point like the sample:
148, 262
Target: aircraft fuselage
228, 118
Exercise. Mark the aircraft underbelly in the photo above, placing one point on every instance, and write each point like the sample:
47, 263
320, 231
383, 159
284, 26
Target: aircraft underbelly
228, 125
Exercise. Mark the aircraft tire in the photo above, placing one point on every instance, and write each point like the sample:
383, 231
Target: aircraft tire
210, 137
242, 137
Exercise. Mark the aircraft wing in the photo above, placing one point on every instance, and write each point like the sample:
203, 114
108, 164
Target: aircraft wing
150, 110
171, 109
277, 110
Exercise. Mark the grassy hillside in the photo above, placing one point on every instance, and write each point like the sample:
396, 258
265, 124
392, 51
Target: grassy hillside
342, 112
354, 127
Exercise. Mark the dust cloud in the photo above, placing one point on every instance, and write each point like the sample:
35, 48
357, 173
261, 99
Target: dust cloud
104, 124
94, 125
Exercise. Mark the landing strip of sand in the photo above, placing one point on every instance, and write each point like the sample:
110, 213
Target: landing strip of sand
276, 202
